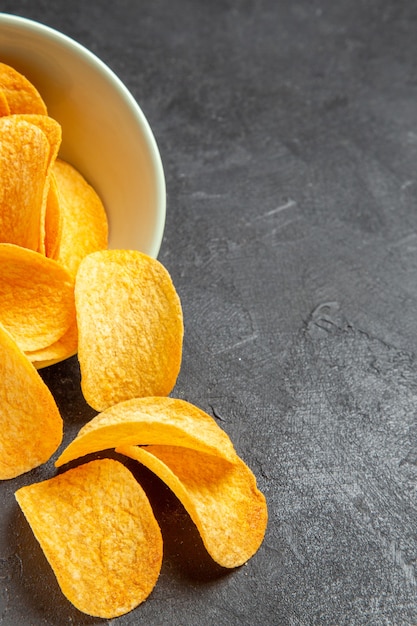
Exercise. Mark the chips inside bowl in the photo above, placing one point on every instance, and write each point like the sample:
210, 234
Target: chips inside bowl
19, 93
98, 532
84, 227
24, 161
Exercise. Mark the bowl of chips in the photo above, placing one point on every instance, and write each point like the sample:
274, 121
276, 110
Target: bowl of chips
105, 134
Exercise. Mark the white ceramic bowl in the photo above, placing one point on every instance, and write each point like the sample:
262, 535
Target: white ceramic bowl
105, 133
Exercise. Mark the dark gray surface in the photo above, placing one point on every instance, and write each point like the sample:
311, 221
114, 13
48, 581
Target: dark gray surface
288, 133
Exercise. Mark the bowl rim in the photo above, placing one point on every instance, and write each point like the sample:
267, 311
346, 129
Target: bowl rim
92, 59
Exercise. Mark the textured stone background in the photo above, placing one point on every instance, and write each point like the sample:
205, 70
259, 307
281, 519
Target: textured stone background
288, 133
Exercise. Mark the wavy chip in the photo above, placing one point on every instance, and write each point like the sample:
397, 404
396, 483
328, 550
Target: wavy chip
30, 423
4, 107
36, 297
53, 132
49, 126
24, 162
130, 327
21, 95
98, 532
221, 498
158, 420
84, 219
53, 220
58, 351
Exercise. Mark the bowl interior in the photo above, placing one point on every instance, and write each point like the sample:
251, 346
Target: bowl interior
105, 133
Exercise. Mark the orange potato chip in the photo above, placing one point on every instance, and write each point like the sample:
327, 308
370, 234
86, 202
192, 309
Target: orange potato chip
21, 95
36, 297
30, 423
53, 220
158, 420
130, 327
50, 203
4, 107
58, 351
84, 220
24, 158
98, 532
49, 126
221, 498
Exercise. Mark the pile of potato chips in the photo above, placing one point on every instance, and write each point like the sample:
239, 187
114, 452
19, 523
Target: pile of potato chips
62, 292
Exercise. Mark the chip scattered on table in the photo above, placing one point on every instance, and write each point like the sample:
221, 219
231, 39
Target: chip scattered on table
130, 327
98, 531
155, 420
30, 423
221, 498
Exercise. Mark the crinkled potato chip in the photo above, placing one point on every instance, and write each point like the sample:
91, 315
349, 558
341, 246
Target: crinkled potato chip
53, 133
130, 327
99, 534
24, 160
58, 351
84, 220
53, 220
221, 498
21, 95
49, 126
36, 297
4, 107
158, 420
30, 423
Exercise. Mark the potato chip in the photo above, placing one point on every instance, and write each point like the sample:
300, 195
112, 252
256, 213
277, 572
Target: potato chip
53, 220
49, 126
158, 420
36, 297
130, 327
30, 423
98, 532
58, 351
84, 220
4, 107
53, 132
24, 159
21, 95
221, 498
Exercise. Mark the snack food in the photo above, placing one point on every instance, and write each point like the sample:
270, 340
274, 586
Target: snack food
30, 424
221, 498
62, 349
130, 327
36, 297
84, 227
20, 94
108, 558
24, 162
157, 420
62, 290
50, 218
